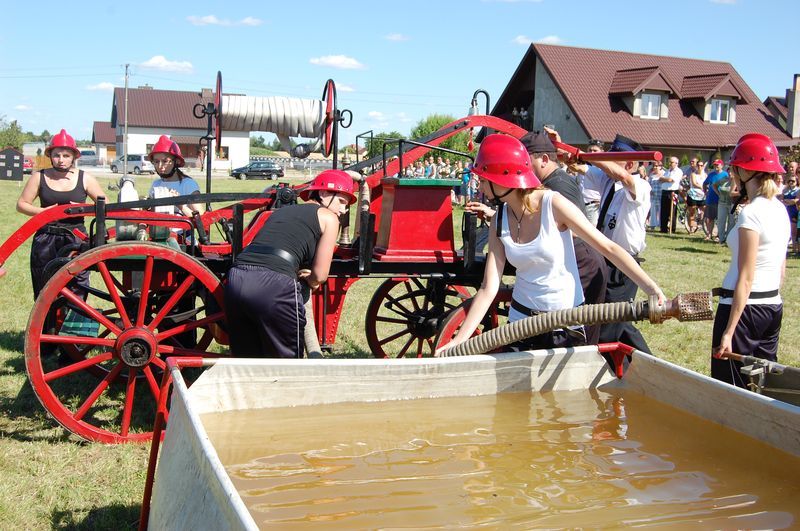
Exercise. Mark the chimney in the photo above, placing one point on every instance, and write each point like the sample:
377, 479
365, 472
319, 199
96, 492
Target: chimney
793, 106
206, 94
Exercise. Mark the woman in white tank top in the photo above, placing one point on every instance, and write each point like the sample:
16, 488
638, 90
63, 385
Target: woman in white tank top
535, 237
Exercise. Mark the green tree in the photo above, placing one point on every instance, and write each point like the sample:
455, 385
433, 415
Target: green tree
375, 145
433, 123
11, 135
257, 141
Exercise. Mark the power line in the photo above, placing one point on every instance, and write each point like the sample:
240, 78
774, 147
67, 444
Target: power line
54, 76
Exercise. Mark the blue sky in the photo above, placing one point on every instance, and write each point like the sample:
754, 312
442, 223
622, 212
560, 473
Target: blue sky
394, 62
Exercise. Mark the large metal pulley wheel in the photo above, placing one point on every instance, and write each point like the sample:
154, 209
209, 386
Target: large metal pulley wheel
95, 354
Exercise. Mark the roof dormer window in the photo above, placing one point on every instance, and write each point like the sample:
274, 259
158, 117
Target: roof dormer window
650, 106
720, 111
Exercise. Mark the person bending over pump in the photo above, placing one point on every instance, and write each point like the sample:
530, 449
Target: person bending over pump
535, 235
63, 184
264, 295
748, 319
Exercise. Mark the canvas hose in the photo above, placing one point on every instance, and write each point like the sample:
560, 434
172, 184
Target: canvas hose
286, 117
313, 350
588, 314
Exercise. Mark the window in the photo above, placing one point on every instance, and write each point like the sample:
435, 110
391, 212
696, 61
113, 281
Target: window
651, 106
720, 110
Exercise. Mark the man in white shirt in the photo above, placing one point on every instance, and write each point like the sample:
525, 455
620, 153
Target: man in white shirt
624, 207
671, 184
591, 179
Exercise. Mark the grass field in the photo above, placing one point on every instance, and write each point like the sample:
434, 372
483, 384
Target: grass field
51, 479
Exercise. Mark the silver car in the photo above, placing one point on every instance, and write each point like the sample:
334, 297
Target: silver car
136, 164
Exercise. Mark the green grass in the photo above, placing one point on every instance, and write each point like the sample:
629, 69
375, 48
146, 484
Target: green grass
53, 480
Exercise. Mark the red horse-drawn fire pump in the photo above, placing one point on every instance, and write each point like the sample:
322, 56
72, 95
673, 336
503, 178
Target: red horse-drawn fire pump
94, 359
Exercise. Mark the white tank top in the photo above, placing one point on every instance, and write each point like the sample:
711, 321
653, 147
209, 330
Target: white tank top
547, 272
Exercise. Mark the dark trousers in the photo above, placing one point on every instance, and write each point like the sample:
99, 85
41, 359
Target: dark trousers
756, 335
620, 288
48, 244
265, 313
668, 211
594, 278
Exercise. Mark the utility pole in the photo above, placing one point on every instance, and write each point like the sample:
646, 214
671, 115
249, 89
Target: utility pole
125, 128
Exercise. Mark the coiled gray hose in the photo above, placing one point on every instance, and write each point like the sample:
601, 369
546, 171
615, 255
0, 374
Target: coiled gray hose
588, 314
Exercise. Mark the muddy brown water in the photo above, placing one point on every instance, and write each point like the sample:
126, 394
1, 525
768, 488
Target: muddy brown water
520, 460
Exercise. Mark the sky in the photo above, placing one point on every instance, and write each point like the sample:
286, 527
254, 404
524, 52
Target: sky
394, 63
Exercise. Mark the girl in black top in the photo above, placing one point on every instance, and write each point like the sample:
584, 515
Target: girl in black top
263, 299
62, 184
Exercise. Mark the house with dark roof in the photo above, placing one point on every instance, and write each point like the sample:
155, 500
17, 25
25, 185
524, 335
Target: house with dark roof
676, 105
154, 112
104, 139
786, 109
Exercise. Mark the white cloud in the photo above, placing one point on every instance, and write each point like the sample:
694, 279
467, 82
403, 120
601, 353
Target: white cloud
22, 107
250, 21
341, 87
525, 41
396, 37
213, 20
403, 117
376, 115
159, 62
337, 61
104, 86
550, 39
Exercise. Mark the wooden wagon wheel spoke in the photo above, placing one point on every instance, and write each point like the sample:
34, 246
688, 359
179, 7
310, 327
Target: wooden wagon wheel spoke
392, 320
77, 366
77, 340
392, 337
171, 302
393, 304
406, 347
146, 279
186, 327
112, 290
89, 311
127, 411
179, 351
101, 387
411, 293
158, 362
151, 382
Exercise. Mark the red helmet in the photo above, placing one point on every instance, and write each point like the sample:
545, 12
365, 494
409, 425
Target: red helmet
331, 181
169, 147
63, 140
503, 160
756, 152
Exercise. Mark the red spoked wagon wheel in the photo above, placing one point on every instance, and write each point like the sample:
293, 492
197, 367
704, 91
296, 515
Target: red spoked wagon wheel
451, 324
116, 337
404, 315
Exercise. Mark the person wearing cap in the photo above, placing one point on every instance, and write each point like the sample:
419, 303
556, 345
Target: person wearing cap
168, 161
591, 181
624, 207
63, 184
750, 310
291, 253
533, 230
712, 197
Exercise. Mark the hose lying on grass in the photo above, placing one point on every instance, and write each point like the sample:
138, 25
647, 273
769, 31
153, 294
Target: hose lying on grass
684, 307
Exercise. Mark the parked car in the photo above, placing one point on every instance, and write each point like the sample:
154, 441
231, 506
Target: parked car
136, 164
88, 158
259, 170
27, 165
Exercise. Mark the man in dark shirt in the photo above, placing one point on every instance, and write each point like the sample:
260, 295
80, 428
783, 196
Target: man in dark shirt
591, 264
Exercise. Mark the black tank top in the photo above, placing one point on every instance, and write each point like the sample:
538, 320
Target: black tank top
294, 229
49, 197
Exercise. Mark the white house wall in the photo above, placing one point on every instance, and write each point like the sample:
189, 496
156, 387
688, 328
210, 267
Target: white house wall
237, 142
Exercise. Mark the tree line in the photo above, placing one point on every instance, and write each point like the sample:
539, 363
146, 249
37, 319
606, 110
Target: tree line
12, 135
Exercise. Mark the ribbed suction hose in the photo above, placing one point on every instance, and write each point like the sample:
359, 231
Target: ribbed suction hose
685, 307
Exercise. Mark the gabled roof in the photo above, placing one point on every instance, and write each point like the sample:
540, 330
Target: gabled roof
149, 107
709, 86
635, 80
103, 133
585, 76
779, 104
